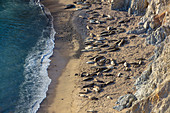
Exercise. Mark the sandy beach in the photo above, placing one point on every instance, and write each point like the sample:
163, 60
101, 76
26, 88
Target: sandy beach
64, 60
68, 63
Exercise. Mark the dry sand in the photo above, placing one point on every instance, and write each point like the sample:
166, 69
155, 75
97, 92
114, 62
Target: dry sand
63, 95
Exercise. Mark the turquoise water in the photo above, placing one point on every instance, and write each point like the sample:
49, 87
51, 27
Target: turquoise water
26, 43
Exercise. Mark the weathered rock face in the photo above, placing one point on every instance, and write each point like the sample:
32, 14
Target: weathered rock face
125, 102
133, 6
120, 4
158, 35
156, 7
138, 6
154, 85
157, 14
151, 7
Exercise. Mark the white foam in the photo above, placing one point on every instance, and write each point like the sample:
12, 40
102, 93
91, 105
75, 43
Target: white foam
34, 88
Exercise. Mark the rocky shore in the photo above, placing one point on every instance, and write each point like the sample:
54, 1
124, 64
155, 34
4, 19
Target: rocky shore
121, 62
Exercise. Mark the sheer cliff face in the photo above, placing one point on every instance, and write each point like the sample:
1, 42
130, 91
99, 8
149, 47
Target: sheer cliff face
153, 93
158, 13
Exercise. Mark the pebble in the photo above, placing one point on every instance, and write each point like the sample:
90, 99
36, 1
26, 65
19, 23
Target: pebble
113, 62
96, 89
109, 28
119, 74
108, 97
81, 16
125, 64
109, 17
140, 62
92, 21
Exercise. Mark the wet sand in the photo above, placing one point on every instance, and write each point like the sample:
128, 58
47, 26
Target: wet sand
65, 51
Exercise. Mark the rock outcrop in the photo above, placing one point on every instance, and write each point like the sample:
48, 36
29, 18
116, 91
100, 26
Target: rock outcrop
153, 86
158, 35
151, 7
125, 101
133, 6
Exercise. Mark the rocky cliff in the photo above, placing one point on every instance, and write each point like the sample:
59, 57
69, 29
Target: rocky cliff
153, 86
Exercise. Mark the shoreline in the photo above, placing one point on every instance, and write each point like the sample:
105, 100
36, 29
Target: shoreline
62, 55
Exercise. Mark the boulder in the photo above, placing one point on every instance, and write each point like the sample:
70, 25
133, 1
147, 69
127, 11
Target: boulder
153, 93
158, 36
125, 101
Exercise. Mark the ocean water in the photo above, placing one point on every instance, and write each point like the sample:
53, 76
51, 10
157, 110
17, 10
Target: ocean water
26, 43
